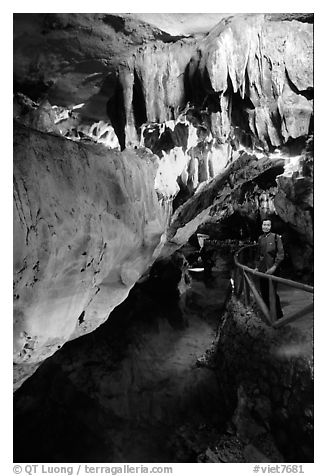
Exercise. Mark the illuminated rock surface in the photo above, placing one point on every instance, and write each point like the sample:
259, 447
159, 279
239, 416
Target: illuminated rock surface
214, 112
87, 222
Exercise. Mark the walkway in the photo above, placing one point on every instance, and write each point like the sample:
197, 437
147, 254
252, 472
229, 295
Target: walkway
295, 301
296, 298
121, 392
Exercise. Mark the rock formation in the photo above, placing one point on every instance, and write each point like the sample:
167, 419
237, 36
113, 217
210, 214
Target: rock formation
118, 393
130, 138
87, 223
268, 389
261, 66
254, 63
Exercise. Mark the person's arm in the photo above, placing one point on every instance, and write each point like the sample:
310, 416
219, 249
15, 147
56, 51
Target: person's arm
279, 255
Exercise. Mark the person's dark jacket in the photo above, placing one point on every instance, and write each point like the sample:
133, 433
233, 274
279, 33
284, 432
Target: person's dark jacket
270, 251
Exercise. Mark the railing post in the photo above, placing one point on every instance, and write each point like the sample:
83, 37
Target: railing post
292, 317
272, 300
243, 283
240, 282
246, 290
259, 300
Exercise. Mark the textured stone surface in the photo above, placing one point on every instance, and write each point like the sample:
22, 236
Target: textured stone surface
269, 387
220, 198
117, 395
209, 107
89, 222
86, 224
120, 62
70, 55
189, 156
294, 199
260, 61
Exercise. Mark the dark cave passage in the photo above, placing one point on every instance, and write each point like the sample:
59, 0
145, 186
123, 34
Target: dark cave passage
138, 103
121, 393
116, 113
146, 386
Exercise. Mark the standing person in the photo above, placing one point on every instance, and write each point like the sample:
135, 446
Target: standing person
207, 254
270, 254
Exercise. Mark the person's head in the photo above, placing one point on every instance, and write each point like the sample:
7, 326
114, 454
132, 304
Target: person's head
266, 225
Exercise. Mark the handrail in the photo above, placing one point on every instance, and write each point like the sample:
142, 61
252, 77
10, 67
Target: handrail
289, 282
244, 284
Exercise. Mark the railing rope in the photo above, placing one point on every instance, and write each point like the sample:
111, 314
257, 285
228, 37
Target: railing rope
289, 282
259, 300
246, 289
243, 285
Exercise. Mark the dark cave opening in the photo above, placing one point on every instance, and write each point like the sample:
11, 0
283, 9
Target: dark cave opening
138, 103
168, 139
234, 227
211, 103
116, 22
198, 89
116, 113
35, 90
193, 87
311, 125
276, 119
267, 179
180, 135
240, 110
211, 98
183, 194
159, 144
188, 96
294, 147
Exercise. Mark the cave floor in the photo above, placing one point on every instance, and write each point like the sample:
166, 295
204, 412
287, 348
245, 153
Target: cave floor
300, 330
295, 301
128, 386
133, 390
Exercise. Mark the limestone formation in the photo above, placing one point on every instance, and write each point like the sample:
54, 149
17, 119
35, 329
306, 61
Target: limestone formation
249, 62
130, 138
254, 63
87, 223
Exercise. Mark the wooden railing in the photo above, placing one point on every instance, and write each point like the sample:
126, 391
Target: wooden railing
245, 284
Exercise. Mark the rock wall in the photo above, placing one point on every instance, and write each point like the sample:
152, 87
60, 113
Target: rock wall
268, 388
255, 75
294, 199
87, 222
249, 73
